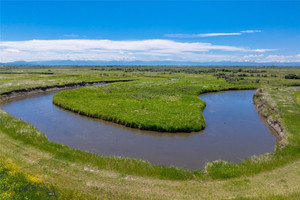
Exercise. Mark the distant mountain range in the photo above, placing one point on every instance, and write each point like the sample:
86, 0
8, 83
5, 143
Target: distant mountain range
143, 63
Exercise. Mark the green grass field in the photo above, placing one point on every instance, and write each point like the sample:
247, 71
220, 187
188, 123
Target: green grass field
158, 105
297, 98
136, 106
81, 175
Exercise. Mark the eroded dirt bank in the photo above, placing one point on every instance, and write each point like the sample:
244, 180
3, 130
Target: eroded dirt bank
270, 114
37, 90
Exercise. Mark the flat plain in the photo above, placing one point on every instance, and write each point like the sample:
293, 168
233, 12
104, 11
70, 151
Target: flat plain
29, 159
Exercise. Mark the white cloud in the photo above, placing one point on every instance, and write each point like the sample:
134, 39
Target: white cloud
216, 34
71, 35
251, 31
210, 34
253, 56
12, 50
200, 35
264, 50
74, 36
282, 58
109, 50
261, 58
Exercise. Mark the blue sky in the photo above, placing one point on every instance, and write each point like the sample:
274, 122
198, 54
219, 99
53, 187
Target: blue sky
191, 31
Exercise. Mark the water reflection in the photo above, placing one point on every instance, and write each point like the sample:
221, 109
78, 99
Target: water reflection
234, 131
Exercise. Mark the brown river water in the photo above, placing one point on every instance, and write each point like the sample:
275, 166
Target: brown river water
234, 131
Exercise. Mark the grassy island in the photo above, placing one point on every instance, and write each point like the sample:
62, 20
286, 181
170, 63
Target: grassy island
157, 104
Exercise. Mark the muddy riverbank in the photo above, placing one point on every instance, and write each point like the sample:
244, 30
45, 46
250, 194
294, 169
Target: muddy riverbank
270, 115
6, 96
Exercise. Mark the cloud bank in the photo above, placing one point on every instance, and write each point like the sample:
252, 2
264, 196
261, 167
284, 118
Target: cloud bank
110, 50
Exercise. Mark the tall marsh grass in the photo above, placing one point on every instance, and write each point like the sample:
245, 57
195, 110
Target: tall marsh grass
157, 105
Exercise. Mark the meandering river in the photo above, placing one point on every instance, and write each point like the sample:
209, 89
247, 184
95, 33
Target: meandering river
234, 131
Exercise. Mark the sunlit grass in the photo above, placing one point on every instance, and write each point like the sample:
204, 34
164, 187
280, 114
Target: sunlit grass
270, 176
18, 185
297, 98
157, 105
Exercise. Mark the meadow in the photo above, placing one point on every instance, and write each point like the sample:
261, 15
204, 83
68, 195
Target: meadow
161, 104
297, 98
82, 175
165, 103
